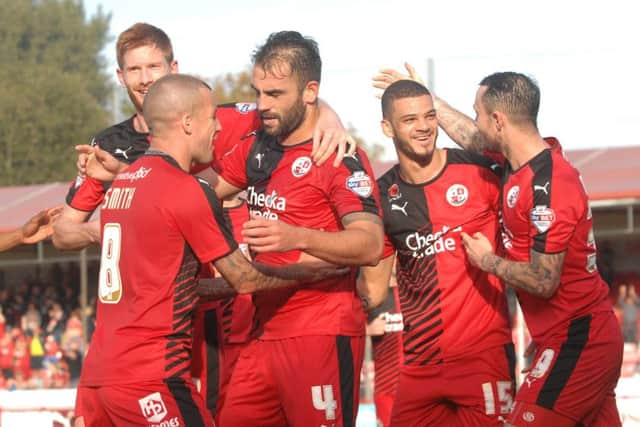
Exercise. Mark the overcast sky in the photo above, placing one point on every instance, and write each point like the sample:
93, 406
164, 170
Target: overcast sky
584, 54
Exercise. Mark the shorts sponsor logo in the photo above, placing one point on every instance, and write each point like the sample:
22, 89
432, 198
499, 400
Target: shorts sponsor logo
245, 107
172, 422
322, 398
457, 195
360, 183
153, 408
512, 196
301, 166
542, 218
528, 417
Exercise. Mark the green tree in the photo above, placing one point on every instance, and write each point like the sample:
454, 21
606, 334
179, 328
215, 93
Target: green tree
374, 150
233, 87
53, 87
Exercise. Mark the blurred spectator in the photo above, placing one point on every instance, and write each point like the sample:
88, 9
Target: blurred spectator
2, 322
628, 304
36, 349
51, 350
72, 356
55, 326
6, 356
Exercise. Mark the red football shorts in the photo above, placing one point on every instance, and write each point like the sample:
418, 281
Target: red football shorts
170, 403
300, 381
473, 391
573, 379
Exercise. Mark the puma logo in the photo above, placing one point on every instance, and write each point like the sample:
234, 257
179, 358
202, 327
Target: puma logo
122, 152
542, 188
402, 208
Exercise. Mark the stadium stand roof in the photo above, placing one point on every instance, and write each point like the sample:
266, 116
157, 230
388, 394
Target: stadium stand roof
611, 176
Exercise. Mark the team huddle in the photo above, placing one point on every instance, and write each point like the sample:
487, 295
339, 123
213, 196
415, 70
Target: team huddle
219, 310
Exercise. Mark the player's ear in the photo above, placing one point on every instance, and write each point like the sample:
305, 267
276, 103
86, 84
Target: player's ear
310, 92
499, 119
387, 129
187, 123
120, 75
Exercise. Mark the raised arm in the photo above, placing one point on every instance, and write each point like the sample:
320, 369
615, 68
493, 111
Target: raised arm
460, 127
373, 283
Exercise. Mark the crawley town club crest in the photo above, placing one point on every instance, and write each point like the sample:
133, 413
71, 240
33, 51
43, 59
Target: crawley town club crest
301, 166
360, 183
512, 196
457, 195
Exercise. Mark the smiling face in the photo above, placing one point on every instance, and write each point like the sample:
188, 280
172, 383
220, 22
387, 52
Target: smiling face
142, 66
413, 125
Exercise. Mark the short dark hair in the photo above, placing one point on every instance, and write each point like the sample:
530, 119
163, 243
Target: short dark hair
300, 53
143, 34
399, 90
514, 94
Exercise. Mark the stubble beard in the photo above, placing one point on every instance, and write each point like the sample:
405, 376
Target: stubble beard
289, 121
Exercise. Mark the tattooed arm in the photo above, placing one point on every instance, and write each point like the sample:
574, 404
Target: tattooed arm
460, 128
540, 276
360, 243
243, 277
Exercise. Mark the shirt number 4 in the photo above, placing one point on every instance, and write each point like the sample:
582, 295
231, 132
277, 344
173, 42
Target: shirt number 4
504, 400
110, 284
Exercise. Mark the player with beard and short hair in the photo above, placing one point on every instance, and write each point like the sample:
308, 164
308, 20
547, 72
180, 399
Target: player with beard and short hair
458, 356
314, 333
549, 257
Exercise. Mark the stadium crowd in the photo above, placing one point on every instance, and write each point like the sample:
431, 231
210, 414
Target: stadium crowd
42, 341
